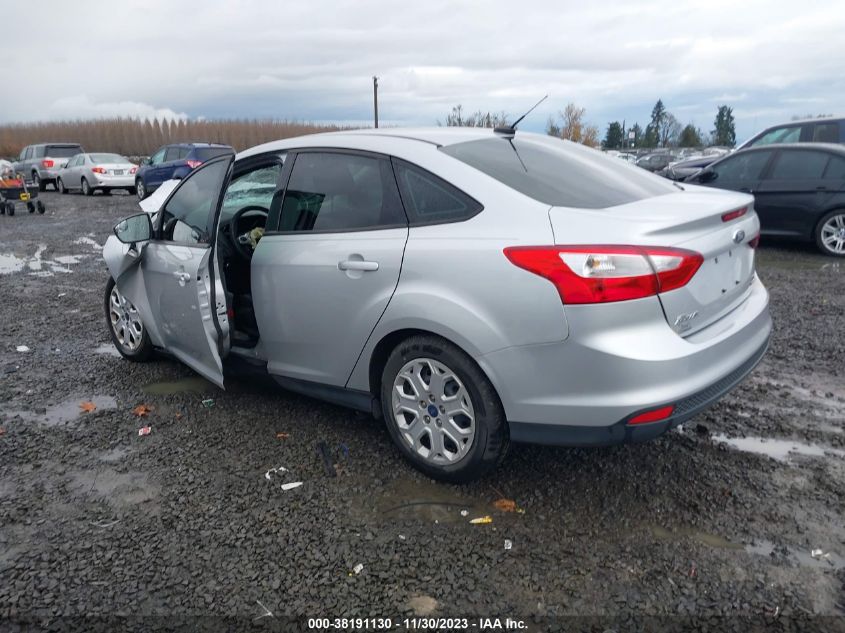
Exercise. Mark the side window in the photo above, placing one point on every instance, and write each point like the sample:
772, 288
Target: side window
780, 135
340, 192
799, 165
183, 152
39, 151
429, 199
171, 154
189, 214
826, 133
256, 188
743, 166
158, 157
26, 152
835, 168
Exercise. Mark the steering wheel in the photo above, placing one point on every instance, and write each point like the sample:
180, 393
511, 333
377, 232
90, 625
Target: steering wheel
240, 241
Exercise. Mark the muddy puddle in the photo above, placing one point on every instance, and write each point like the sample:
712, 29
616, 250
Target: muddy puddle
114, 455
66, 412
191, 384
119, 489
10, 263
705, 538
779, 449
424, 501
107, 349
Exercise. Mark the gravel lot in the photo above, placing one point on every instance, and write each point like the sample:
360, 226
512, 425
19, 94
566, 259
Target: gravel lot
97, 521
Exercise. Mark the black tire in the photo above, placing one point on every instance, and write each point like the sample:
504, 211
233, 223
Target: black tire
61, 186
36, 180
132, 191
140, 189
40, 206
10, 209
87, 190
30, 206
490, 444
2, 208
824, 248
144, 351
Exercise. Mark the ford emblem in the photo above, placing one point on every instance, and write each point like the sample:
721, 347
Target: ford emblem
739, 236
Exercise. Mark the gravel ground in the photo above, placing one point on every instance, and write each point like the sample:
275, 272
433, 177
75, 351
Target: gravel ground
684, 531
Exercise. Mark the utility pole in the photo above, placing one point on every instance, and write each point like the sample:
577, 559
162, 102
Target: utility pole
375, 99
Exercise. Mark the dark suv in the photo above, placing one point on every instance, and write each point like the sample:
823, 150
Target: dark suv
174, 162
810, 131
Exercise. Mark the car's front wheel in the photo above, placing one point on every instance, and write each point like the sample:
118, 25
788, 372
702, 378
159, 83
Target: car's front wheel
442, 411
125, 326
140, 189
830, 233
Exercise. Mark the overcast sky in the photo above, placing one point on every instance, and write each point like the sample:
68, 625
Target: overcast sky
313, 60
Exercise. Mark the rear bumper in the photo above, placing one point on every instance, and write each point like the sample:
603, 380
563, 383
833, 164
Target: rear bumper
622, 359
114, 182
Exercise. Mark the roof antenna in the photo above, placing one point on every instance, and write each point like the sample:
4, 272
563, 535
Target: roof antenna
510, 130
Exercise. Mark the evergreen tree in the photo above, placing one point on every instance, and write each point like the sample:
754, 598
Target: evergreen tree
615, 136
725, 132
690, 137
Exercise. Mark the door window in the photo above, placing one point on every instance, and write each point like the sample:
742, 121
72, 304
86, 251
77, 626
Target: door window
26, 153
255, 188
334, 192
189, 214
826, 133
835, 168
780, 135
183, 152
429, 199
799, 165
743, 166
171, 154
39, 151
158, 157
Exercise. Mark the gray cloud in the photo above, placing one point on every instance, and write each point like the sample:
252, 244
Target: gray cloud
314, 60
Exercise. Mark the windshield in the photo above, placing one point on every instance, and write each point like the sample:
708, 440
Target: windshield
62, 151
108, 158
559, 173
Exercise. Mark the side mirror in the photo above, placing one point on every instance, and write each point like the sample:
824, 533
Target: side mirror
706, 175
136, 228
147, 161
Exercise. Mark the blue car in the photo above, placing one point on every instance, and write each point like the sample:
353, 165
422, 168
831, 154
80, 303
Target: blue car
174, 161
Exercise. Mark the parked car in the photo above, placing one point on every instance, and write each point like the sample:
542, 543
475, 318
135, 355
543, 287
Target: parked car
469, 286
799, 189
174, 162
42, 162
655, 162
682, 169
97, 172
809, 131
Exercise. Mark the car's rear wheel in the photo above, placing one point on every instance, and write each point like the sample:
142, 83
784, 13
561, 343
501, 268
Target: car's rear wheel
36, 180
61, 185
830, 233
140, 189
442, 411
125, 326
86, 188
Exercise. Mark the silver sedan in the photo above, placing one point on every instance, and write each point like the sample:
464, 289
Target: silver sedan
471, 287
97, 172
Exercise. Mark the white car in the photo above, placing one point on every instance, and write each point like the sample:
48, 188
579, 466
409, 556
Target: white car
92, 172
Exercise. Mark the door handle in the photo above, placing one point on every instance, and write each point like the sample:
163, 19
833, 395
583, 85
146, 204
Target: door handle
182, 277
822, 188
357, 264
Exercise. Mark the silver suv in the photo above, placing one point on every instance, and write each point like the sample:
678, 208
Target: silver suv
472, 287
43, 161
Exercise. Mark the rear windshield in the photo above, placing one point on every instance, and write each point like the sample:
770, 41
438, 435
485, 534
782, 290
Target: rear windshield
108, 158
207, 153
62, 151
559, 174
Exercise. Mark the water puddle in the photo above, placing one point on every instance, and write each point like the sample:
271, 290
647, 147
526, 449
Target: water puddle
191, 384
66, 412
822, 560
781, 450
404, 499
705, 538
37, 265
114, 455
107, 349
88, 241
116, 488
10, 263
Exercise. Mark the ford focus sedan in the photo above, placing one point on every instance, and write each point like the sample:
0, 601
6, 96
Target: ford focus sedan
471, 287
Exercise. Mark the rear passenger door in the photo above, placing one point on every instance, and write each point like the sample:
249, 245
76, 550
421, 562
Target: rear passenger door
325, 271
793, 192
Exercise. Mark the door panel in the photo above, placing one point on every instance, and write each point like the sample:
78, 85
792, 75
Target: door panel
317, 298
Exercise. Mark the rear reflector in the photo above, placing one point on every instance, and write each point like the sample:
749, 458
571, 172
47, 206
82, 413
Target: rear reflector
754, 242
655, 415
733, 215
603, 273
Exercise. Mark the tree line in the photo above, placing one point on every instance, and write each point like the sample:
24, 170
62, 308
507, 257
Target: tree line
141, 137
663, 130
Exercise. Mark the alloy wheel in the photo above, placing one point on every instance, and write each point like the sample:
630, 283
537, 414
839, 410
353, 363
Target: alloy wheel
433, 411
140, 189
833, 234
125, 322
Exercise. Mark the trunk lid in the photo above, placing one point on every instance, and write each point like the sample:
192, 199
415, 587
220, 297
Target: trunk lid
691, 220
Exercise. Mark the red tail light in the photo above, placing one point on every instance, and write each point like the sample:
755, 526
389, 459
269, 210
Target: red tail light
193, 164
47, 163
733, 215
133, 170
655, 415
98, 170
602, 274
754, 242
